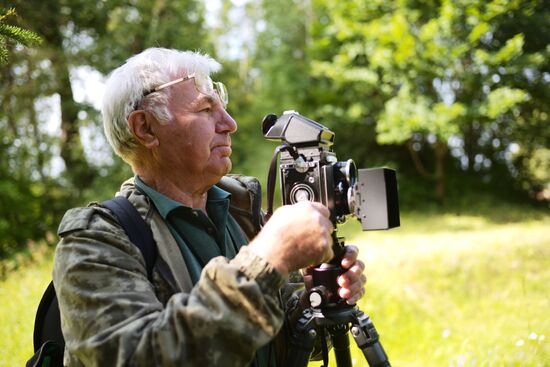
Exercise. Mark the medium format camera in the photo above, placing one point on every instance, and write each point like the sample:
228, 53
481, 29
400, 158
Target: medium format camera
310, 171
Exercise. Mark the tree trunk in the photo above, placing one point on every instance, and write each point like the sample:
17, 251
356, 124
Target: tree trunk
78, 170
440, 154
438, 176
72, 152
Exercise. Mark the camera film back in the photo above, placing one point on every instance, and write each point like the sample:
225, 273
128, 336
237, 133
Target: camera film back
376, 200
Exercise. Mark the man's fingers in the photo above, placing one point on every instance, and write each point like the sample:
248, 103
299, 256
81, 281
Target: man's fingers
321, 208
353, 300
353, 274
350, 257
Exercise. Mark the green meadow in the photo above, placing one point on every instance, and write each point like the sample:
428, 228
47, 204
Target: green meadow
459, 290
443, 290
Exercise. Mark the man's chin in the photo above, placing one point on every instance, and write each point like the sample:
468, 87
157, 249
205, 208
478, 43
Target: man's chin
229, 167
226, 168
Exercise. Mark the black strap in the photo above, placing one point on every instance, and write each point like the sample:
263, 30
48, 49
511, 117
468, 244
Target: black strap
49, 354
135, 227
47, 322
271, 177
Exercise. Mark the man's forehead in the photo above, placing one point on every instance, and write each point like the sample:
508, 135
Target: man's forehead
187, 93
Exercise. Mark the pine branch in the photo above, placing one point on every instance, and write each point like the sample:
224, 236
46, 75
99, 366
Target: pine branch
20, 35
4, 13
14, 33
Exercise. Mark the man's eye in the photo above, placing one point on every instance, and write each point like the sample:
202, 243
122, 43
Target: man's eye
206, 109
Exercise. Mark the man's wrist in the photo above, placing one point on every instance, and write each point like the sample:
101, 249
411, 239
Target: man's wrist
259, 250
257, 268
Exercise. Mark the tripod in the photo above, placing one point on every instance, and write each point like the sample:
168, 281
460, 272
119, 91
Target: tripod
329, 313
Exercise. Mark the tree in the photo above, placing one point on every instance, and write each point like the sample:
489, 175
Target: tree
434, 73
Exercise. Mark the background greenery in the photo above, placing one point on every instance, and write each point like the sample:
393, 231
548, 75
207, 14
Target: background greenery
452, 94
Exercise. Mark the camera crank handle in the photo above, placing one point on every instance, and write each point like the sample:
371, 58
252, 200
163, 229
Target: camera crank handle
338, 249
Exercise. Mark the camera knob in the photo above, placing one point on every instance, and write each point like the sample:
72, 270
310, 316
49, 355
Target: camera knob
317, 296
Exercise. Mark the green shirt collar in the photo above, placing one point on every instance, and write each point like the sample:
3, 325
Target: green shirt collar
200, 236
165, 205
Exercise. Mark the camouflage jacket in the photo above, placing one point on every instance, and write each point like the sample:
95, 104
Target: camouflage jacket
113, 315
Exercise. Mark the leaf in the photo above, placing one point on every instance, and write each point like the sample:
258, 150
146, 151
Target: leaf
501, 100
478, 31
512, 48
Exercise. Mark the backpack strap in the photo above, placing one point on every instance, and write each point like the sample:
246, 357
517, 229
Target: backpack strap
135, 227
47, 338
47, 322
50, 354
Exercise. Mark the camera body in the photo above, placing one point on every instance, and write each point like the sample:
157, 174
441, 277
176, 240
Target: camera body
317, 176
310, 171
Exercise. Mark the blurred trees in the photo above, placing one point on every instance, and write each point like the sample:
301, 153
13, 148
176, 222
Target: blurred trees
100, 35
454, 89
16, 187
466, 76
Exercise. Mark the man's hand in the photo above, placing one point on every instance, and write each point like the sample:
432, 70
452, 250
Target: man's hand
352, 282
295, 237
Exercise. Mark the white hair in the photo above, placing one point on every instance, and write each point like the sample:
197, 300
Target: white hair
126, 86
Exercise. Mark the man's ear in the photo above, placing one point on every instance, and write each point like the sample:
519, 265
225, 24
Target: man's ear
139, 123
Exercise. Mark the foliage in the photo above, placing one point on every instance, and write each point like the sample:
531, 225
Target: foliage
13, 33
433, 73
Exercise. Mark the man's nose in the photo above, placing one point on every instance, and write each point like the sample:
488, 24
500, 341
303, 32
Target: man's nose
226, 123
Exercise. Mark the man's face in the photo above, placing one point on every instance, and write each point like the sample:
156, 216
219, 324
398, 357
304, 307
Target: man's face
196, 141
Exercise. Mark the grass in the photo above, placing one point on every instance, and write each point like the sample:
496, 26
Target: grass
460, 290
20, 293
443, 290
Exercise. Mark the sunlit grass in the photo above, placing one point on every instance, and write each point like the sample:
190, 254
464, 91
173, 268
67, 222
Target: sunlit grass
20, 293
459, 290
443, 290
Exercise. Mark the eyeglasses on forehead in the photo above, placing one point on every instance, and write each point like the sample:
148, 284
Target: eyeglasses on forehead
203, 83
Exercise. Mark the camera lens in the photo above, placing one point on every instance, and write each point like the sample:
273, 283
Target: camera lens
301, 192
350, 172
345, 176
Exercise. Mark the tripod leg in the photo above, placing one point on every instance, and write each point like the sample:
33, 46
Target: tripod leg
340, 343
367, 340
302, 341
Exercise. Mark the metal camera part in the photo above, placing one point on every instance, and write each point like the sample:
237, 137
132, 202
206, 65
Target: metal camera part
296, 130
310, 171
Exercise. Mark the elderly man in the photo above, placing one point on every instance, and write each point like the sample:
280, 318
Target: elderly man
215, 298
